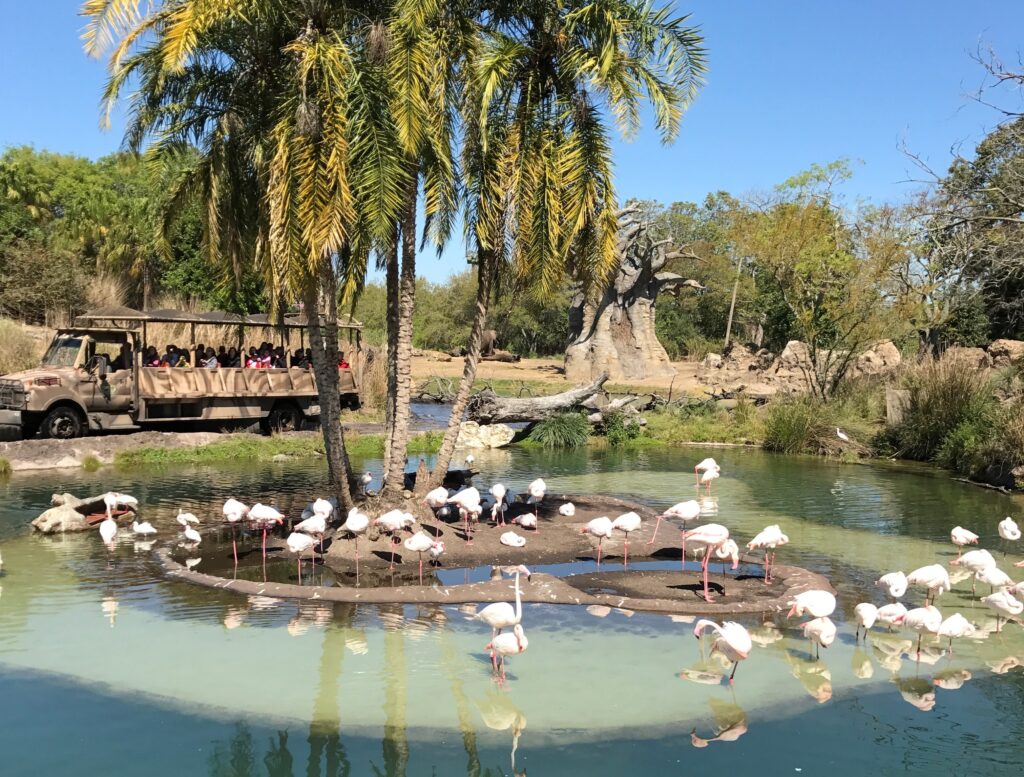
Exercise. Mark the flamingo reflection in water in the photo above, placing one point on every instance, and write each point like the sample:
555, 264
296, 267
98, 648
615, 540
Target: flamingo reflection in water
499, 713
730, 723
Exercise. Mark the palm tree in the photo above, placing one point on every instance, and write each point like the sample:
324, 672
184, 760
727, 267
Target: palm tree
540, 199
274, 103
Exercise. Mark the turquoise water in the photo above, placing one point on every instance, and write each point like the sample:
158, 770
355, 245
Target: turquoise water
107, 668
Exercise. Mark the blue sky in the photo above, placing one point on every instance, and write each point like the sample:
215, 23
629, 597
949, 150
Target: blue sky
790, 84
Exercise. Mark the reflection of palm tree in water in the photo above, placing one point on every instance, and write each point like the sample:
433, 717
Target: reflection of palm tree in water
450, 661
395, 745
325, 728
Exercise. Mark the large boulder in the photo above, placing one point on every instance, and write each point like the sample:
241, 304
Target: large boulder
1006, 352
880, 359
474, 435
795, 356
68, 514
967, 357
712, 361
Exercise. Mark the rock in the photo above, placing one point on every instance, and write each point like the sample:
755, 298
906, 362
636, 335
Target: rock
280, 457
897, 402
764, 359
795, 356
62, 518
1006, 352
712, 361
474, 435
970, 357
880, 359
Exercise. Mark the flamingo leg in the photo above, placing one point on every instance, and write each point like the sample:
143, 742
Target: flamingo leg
421, 569
656, 525
599, 541
234, 542
707, 558
696, 476
625, 557
731, 676
264, 544
298, 565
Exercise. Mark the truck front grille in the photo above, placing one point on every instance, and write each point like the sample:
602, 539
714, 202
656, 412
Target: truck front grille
12, 394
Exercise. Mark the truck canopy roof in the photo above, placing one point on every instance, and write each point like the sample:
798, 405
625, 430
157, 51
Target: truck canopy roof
120, 317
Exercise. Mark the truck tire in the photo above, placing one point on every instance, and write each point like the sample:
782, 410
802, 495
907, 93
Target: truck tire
62, 423
282, 418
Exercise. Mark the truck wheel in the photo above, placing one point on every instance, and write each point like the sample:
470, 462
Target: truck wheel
284, 418
62, 423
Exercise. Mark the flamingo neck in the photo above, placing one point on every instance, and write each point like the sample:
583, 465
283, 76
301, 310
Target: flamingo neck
519, 604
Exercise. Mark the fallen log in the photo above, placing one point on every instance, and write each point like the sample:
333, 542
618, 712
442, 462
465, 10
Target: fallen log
486, 407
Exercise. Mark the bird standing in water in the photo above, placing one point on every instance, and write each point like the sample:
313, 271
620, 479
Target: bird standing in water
234, 511
509, 645
733, 641
684, 511
710, 536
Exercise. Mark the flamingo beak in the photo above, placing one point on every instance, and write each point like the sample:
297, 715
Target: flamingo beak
792, 611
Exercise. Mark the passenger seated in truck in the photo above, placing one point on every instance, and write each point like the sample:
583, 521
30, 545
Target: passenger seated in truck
123, 360
170, 357
299, 359
151, 357
341, 361
210, 360
183, 359
232, 359
200, 354
253, 360
222, 357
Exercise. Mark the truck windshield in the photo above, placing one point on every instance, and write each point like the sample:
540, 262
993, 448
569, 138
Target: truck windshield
63, 351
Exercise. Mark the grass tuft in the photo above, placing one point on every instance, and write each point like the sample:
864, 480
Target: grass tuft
562, 430
90, 463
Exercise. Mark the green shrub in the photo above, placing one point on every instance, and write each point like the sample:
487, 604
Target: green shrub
943, 397
90, 463
5, 468
798, 426
619, 430
562, 430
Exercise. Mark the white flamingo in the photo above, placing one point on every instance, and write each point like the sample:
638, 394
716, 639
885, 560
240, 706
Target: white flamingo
816, 603
234, 511
1004, 604
108, 530
420, 543
356, 524
706, 465
435, 552
144, 529
436, 498
994, 577
728, 551
502, 615
263, 518
527, 521
512, 539
933, 578
1009, 531
866, 615
821, 632
733, 641
498, 491
467, 501
894, 583
509, 645
960, 537
298, 543
923, 620
768, 539
600, 528
315, 524
536, 490
842, 435
710, 536
186, 519
568, 510
956, 626
626, 523
191, 535
708, 477
470, 458
365, 482
684, 511
392, 522
891, 614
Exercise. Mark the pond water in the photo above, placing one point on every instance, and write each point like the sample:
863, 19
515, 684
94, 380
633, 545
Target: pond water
107, 668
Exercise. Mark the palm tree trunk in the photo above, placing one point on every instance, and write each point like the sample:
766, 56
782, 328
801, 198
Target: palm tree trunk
392, 302
399, 436
323, 342
484, 281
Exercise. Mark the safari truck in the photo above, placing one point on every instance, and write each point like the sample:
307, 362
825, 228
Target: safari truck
85, 383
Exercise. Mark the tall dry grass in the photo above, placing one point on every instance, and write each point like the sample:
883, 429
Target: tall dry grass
374, 379
21, 349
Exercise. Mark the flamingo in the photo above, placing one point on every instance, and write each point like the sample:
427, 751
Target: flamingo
956, 626
192, 535
960, 537
1008, 530
994, 577
263, 518
508, 645
891, 614
527, 521
144, 529
707, 477
768, 539
895, 583
299, 543
186, 519
866, 615
1004, 604
626, 523
365, 481
108, 530
728, 550
435, 552
392, 522
498, 491
684, 511
733, 641
821, 632
568, 510
602, 529
923, 620
114, 500
420, 543
355, 524
502, 615
234, 511
704, 466
470, 458
842, 435
436, 498
932, 578
536, 490
816, 603
710, 535
315, 524
512, 539
467, 500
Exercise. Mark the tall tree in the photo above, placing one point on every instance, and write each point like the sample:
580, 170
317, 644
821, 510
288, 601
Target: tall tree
547, 81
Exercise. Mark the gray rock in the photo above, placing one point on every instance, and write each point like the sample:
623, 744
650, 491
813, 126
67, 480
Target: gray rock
1006, 352
880, 359
474, 435
62, 518
712, 361
970, 357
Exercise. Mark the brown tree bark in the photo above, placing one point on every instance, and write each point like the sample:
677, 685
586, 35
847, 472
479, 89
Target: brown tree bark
484, 282
399, 437
323, 341
392, 303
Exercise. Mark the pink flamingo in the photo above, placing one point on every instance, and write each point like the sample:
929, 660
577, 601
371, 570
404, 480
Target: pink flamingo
684, 511
601, 528
711, 536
